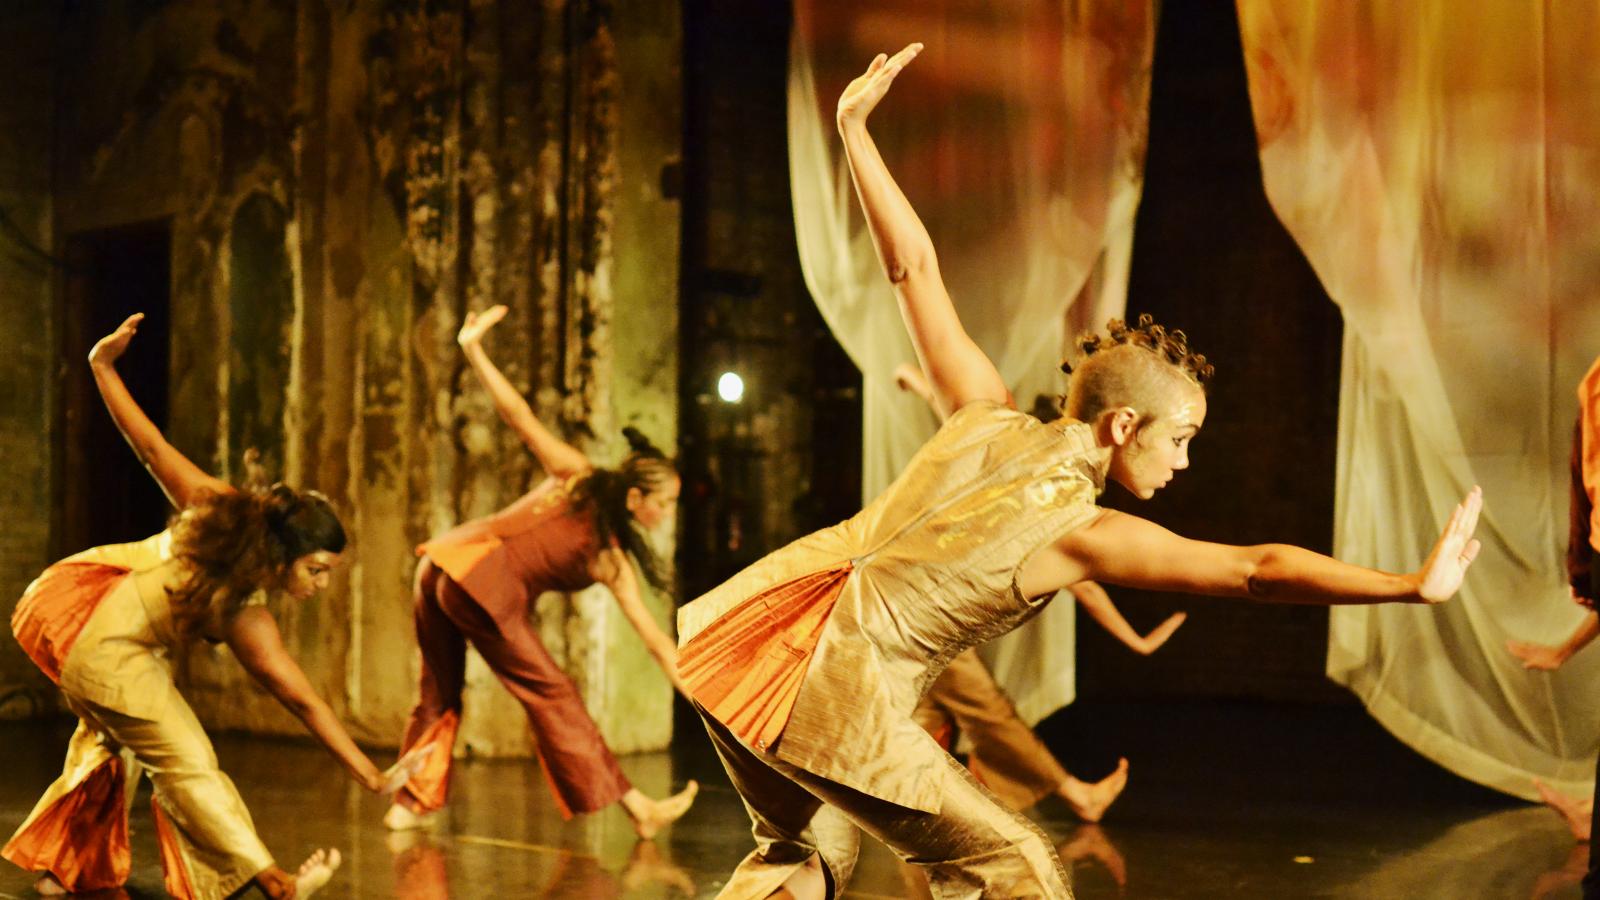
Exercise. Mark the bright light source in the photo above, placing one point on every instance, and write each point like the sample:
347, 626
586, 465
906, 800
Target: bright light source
730, 387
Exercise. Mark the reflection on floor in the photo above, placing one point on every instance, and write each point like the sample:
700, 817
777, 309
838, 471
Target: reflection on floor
1224, 801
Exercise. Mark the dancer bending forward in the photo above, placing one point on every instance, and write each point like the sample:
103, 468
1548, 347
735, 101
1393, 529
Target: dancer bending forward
477, 583
103, 624
807, 665
1006, 756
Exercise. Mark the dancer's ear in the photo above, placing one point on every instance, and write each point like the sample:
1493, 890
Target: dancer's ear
1122, 424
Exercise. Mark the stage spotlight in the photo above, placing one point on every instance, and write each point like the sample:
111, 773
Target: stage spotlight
730, 387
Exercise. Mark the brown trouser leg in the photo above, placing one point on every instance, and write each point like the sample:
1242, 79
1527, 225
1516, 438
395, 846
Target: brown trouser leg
444, 666
1007, 757
583, 773
972, 847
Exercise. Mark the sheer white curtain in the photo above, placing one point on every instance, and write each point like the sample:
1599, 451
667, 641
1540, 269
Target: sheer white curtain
1019, 136
1438, 162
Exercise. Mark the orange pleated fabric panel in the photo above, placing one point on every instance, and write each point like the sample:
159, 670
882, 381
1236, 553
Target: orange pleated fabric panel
746, 668
431, 784
83, 839
174, 873
55, 607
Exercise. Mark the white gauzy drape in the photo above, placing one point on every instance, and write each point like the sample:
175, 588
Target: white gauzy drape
1019, 136
1439, 164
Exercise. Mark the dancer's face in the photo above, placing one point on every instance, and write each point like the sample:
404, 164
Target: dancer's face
309, 575
1144, 458
658, 507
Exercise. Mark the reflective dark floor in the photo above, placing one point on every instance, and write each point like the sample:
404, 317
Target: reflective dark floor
1224, 801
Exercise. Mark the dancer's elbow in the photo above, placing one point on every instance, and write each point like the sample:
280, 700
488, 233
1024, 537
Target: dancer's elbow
1262, 572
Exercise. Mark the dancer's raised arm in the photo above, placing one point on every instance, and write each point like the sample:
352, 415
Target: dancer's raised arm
958, 371
181, 480
558, 458
1127, 550
253, 636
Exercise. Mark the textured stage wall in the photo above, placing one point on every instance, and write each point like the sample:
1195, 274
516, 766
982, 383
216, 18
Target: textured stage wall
25, 331
341, 181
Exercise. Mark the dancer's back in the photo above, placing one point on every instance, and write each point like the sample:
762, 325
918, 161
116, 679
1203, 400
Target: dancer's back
925, 571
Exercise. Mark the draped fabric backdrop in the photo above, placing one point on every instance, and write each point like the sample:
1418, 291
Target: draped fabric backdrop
1019, 135
1438, 164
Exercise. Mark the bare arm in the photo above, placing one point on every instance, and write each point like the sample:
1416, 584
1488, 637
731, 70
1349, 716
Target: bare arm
615, 571
1094, 599
958, 371
180, 479
1545, 657
558, 458
1127, 550
254, 637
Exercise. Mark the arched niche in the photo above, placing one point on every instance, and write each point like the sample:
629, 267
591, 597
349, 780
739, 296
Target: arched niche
261, 313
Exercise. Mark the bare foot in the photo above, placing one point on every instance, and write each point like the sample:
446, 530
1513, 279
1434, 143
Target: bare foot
48, 886
1577, 813
1090, 801
401, 818
650, 816
316, 872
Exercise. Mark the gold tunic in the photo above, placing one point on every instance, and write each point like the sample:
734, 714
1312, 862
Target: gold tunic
933, 566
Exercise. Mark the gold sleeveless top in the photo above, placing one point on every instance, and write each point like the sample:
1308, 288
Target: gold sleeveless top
121, 657
925, 571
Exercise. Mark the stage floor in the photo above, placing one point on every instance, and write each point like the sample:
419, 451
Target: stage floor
1229, 800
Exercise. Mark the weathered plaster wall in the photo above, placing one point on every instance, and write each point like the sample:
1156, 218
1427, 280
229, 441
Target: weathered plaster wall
26, 62
343, 181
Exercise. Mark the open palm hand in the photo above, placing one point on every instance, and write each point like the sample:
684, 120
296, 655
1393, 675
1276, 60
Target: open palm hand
478, 324
110, 348
862, 94
1446, 568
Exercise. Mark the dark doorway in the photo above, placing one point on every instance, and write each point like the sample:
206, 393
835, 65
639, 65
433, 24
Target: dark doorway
105, 496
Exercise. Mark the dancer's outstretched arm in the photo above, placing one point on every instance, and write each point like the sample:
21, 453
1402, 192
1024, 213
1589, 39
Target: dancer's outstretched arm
558, 458
957, 369
1094, 599
1546, 657
254, 638
1127, 550
614, 570
181, 480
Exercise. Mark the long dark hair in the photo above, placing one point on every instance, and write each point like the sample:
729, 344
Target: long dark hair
604, 494
235, 543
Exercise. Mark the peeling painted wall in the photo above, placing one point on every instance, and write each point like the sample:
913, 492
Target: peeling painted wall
418, 159
26, 336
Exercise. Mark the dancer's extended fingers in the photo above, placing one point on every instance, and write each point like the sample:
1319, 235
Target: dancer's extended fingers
131, 323
901, 60
1474, 506
906, 54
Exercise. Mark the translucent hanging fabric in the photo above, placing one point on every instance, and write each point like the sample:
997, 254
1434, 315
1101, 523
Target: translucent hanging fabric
1019, 136
1437, 163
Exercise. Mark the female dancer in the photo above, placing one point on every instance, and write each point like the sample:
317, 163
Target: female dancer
1006, 756
477, 583
806, 665
102, 623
